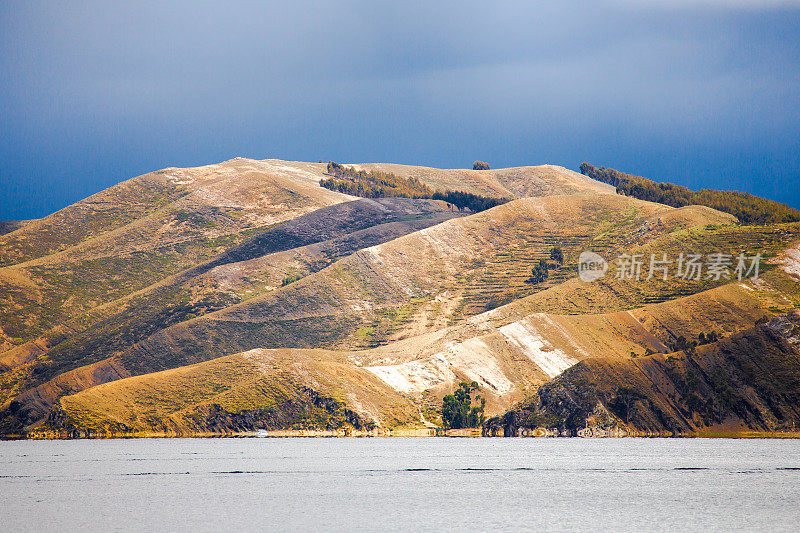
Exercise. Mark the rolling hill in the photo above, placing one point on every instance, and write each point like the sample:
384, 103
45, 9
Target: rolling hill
244, 296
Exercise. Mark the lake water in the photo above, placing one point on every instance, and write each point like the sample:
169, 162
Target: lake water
381, 484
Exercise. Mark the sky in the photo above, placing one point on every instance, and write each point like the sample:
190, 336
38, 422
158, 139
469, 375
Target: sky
704, 93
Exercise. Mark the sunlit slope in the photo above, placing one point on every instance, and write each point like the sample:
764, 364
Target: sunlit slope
611, 293
517, 182
258, 389
212, 200
374, 295
139, 232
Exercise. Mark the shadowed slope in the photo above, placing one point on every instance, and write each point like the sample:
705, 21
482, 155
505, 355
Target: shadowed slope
744, 384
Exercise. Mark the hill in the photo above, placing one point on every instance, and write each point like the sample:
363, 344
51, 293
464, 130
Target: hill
252, 298
516, 182
137, 233
379, 184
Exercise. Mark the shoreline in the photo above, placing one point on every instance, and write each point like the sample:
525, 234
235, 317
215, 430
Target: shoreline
398, 433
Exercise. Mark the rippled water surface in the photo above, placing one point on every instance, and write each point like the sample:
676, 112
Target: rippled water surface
381, 484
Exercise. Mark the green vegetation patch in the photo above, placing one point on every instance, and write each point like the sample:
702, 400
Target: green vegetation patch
747, 208
378, 184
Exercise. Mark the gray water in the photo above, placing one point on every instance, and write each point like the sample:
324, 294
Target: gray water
381, 484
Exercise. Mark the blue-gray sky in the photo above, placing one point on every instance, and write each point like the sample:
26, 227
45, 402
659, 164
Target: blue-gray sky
699, 92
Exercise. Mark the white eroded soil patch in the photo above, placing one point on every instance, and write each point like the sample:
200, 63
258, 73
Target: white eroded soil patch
475, 359
790, 263
472, 359
524, 336
414, 377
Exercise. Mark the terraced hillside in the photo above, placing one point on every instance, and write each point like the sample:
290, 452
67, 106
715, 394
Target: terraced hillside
264, 301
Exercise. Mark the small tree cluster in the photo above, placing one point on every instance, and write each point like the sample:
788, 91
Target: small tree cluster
707, 338
458, 411
539, 272
480, 165
682, 344
557, 255
373, 184
466, 200
378, 184
624, 401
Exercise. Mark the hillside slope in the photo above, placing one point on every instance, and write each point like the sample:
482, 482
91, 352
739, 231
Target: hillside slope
517, 182
748, 383
130, 236
311, 309
509, 360
320, 239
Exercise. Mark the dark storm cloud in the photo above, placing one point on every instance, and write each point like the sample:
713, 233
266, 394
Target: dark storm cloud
701, 92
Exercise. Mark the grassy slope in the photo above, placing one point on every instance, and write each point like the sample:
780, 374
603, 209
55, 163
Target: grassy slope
134, 234
518, 182
236, 388
728, 309
121, 324
347, 299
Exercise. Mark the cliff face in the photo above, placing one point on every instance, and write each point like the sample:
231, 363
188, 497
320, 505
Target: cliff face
747, 383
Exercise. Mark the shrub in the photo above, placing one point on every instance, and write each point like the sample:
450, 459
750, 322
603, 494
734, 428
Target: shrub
480, 165
539, 272
291, 278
